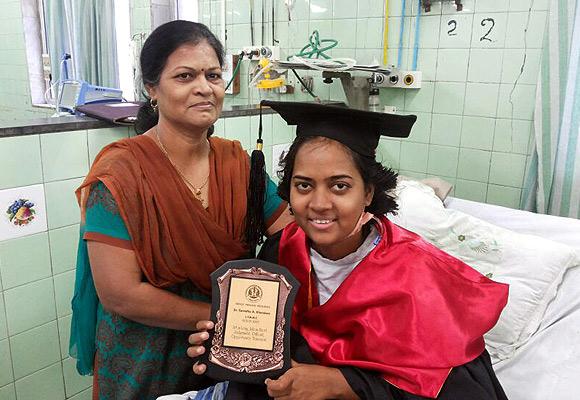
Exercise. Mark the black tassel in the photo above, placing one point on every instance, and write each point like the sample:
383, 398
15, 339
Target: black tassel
255, 223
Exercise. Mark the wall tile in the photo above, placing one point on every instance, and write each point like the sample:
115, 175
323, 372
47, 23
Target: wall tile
238, 128
421, 131
73, 382
48, 381
21, 165
474, 165
344, 9
512, 136
63, 248
443, 161
470, 190
485, 65
393, 97
64, 155
61, 203
489, 30
507, 169
420, 100
429, 24
6, 375
281, 131
24, 260
99, 138
64, 335
84, 395
414, 157
29, 306
518, 102
427, 63
3, 326
241, 12
8, 392
503, 196
63, 289
446, 129
389, 153
452, 65
481, 99
395, 32
369, 8
301, 10
477, 132
321, 9
449, 98
342, 31
513, 62
516, 30
455, 35
35, 349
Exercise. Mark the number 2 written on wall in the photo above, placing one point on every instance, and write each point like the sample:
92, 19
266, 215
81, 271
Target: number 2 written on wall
487, 23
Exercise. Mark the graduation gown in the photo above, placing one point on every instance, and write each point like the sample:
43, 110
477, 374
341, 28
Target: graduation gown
434, 349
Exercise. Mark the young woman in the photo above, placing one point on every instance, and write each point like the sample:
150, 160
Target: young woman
160, 211
385, 315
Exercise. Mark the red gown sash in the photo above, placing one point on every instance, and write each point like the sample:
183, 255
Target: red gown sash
408, 310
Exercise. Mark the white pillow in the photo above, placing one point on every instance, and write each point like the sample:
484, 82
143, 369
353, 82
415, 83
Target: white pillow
532, 266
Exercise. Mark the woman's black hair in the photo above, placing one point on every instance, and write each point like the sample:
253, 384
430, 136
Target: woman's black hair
160, 44
373, 173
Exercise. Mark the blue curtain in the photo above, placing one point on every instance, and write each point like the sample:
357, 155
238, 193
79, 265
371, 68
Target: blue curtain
552, 184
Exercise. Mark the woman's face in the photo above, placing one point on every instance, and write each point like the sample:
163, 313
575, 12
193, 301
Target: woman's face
328, 196
191, 90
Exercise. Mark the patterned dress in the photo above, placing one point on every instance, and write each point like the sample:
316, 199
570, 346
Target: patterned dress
136, 361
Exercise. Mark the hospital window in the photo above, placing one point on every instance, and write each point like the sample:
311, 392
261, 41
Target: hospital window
163, 11
44, 75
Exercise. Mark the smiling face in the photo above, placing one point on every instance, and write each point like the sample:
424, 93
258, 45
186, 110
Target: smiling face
190, 92
328, 196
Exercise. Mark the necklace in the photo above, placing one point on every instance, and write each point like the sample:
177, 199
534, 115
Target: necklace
196, 189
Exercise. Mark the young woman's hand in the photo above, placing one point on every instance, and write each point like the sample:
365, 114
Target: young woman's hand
308, 381
197, 349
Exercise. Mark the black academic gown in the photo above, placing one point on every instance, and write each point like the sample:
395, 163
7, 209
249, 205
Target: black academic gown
475, 380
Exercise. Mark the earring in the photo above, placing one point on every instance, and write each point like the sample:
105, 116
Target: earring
290, 209
154, 105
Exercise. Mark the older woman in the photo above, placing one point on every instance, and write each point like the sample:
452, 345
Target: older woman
160, 211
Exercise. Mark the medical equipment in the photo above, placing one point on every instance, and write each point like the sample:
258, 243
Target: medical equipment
74, 93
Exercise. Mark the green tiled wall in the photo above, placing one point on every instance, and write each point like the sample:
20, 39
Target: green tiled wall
474, 108
37, 271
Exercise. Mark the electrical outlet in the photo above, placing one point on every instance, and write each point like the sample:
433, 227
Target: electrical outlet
399, 79
256, 52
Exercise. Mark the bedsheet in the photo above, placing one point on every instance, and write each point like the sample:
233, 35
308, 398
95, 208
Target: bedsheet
559, 229
548, 365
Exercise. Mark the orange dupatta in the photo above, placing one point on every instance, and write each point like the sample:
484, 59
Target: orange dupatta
174, 238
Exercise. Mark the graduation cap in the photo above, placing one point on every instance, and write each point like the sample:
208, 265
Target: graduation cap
357, 129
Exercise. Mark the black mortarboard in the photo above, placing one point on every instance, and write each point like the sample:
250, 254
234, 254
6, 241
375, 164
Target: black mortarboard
357, 129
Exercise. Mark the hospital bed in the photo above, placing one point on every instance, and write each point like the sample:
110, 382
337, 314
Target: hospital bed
535, 347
